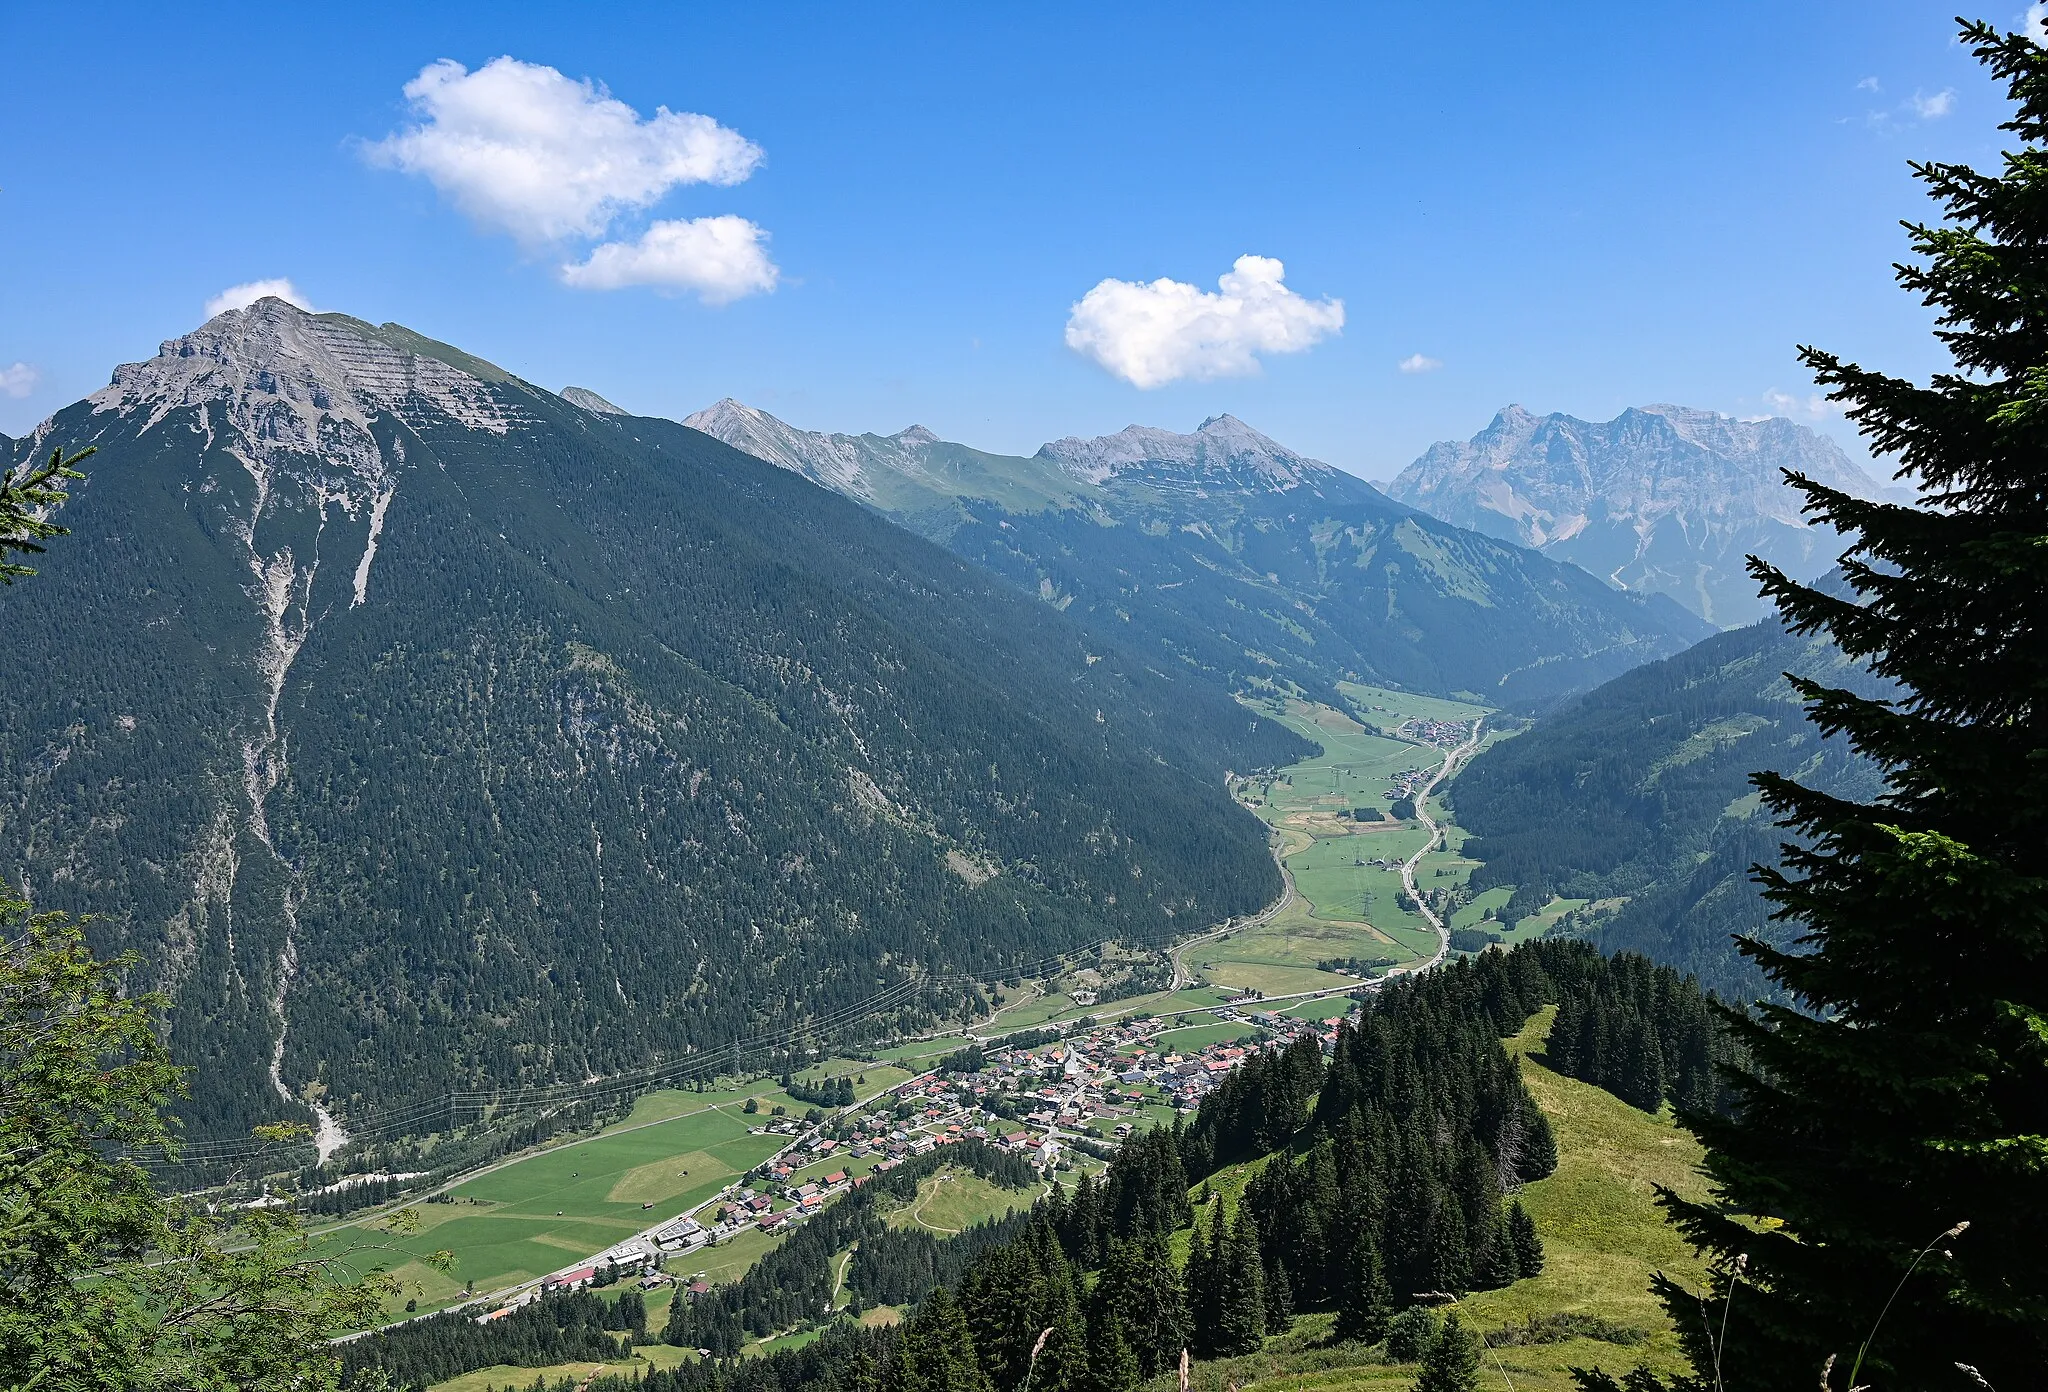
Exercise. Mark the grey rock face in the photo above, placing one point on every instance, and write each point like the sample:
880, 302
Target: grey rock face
591, 401
1661, 499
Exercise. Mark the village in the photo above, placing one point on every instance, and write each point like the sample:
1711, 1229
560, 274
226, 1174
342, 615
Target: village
1062, 1103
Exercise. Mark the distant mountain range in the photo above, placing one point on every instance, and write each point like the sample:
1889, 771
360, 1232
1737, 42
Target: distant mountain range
1225, 553
423, 729
1660, 500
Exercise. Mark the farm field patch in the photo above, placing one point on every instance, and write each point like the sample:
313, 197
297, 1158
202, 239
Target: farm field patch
544, 1212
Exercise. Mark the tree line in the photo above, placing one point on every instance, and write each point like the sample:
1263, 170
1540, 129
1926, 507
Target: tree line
560, 1328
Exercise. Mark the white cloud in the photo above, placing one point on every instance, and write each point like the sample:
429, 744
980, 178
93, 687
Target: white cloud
720, 258
518, 146
1167, 330
2037, 23
1935, 107
243, 295
1813, 407
19, 379
1416, 362
1869, 84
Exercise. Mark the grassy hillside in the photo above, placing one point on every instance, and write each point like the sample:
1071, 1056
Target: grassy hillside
1602, 1234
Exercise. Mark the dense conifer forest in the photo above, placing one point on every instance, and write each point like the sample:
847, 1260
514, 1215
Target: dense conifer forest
618, 746
1637, 796
552, 1330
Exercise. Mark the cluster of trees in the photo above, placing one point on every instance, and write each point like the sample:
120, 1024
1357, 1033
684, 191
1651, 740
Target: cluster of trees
792, 1286
1643, 1032
568, 1327
1402, 1181
348, 1195
1355, 966
825, 1092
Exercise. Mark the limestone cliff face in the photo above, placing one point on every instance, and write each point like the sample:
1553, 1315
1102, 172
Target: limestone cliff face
1661, 499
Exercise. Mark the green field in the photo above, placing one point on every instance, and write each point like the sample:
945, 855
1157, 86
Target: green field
923, 1049
952, 1200
1386, 707
549, 1210
1327, 1008
643, 1359
1192, 1037
1346, 873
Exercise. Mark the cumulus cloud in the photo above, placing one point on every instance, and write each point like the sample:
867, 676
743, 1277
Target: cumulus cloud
718, 258
2037, 23
1416, 362
519, 147
1935, 107
1813, 407
243, 295
1153, 333
19, 379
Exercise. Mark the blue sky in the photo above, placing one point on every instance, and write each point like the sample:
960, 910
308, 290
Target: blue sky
1574, 207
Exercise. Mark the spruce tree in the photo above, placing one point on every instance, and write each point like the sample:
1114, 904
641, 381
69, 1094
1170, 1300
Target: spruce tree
1279, 1297
1144, 1286
1241, 1315
1367, 1303
1112, 1364
1911, 1092
1452, 1363
1528, 1247
1062, 1364
1204, 1283
1539, 1149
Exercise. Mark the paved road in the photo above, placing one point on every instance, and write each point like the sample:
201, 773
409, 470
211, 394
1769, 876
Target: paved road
1436, 833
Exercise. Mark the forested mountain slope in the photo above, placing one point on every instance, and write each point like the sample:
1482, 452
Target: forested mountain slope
423, 730
1638, 792
1228, 554
1660, 500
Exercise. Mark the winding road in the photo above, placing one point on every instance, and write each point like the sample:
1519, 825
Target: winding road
1436, 834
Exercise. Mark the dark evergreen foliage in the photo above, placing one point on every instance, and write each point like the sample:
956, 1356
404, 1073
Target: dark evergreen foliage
774, 711
1641, 1031
792, 1286
1452, 1363
825, 1092
1637, 795
1257, 1109
1420, 1132
554, 1329
1911, 1093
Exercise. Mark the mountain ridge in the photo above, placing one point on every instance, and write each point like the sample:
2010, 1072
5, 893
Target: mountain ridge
1662, 499
427, 732
1223, 551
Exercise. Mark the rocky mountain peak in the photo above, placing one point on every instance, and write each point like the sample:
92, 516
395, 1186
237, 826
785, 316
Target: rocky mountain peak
294, 382
835, 461
591, 401
1222, 446
915, 435
1662, 497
